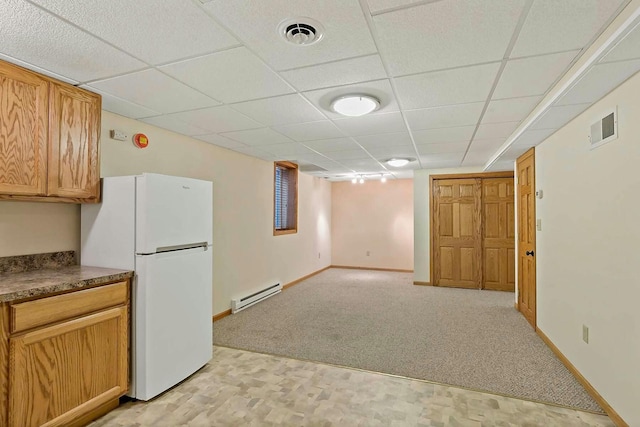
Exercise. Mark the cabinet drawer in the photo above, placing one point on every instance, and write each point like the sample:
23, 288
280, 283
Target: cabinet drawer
31, 314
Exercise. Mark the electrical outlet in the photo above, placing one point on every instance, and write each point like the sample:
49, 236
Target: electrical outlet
368, 253
585, 334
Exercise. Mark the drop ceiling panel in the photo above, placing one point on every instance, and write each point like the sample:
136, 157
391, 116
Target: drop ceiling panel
152, 89
372, 124
362, 165
221, 141
403, 174
558, 116
384, 153
122, 107
310, 131
174, 125
380, 89
487, 144
464, 85
510, 110
334, 144
355, 154
442, 117
254, 137
346, 31
437, 136
338, 73
27, 34
384, 140
477, 158
452, 159
532, 76
553, 25
217, 119
280, 110
495, 130
229, 76
451, 147
154, 31
627, 48
287, 150
446, 34
257, 153
598, 81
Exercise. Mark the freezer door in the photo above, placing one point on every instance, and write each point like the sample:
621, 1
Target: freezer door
172, 317
172, 212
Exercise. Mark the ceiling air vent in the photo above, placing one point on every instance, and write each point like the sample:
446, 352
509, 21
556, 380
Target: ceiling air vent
301, 31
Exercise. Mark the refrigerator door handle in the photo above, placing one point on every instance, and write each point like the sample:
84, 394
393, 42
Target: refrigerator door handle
204, 245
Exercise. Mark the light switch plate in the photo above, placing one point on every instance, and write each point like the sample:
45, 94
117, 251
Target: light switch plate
539, 225
585, 333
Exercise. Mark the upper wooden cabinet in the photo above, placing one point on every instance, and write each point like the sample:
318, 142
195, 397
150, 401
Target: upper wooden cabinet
49, 139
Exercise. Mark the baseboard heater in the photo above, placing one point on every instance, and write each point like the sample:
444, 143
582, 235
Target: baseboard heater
238, 304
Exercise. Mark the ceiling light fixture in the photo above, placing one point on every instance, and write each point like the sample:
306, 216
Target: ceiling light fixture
383, 179
398, 162
361, 181
355, 105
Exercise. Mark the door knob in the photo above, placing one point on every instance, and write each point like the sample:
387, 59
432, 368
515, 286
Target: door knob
529, 253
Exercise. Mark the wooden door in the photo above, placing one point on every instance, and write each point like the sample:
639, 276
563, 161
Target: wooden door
525, 169
23, 131
61, 372
498, 230
457, 250
74, 131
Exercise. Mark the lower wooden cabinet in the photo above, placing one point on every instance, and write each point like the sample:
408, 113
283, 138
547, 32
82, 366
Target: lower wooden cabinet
65, 373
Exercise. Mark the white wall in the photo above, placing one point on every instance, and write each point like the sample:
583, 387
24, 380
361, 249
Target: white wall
373, 217
588, 256
422, 219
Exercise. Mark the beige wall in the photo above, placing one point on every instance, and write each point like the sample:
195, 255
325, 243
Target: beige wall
27, 228
246, 255
422, 219
373, 217
587, 251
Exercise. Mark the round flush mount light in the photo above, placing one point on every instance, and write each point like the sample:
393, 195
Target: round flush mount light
398, 162
355, 105
301, 31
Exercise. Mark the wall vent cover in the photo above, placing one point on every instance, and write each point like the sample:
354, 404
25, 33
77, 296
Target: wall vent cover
301, 31
605, 129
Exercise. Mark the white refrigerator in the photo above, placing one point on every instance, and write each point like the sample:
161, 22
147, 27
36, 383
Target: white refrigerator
161, 227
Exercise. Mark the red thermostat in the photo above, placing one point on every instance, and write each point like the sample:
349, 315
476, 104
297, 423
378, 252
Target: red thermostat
140, 140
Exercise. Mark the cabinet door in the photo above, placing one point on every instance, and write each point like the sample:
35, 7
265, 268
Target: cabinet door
74, 131
61, 372
23, 131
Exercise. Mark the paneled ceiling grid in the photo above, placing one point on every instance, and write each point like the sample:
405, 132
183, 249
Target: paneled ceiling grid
219, 72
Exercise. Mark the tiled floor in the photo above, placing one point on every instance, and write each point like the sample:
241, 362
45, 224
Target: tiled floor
239, 388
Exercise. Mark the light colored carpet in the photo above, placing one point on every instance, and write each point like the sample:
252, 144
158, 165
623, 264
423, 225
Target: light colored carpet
380, 321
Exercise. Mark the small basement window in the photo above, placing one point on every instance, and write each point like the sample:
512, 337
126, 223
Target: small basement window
285, 207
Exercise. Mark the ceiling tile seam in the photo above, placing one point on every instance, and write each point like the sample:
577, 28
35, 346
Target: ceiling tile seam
225, 134
137, 105
616, 61
505, 58
374, 35
114, 76
439, 70
403, 7
621, 31
149, 65
540, 55
222, 25
333, 61
95, 36
198, 55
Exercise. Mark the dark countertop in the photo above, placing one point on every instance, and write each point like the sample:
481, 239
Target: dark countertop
40, 282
